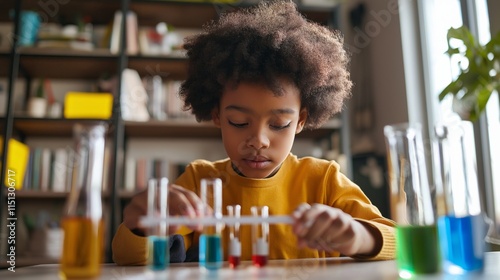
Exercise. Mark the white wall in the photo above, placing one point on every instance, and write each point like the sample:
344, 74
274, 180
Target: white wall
494, 8
382, 52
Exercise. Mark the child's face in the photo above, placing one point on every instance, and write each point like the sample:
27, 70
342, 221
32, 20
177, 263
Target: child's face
258, 128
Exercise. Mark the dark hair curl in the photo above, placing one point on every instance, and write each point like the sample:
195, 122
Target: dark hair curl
261, 44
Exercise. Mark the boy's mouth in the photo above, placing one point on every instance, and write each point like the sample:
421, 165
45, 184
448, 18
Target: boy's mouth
257, 162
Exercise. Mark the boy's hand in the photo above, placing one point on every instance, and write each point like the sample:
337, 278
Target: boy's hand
330, 229
180, 202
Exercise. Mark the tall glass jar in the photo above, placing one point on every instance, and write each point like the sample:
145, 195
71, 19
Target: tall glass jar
461, 224
82, 217
412, 201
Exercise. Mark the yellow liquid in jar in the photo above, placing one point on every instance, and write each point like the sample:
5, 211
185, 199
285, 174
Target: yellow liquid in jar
82, 248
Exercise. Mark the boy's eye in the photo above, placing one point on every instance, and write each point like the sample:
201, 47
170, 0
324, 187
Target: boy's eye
237, 124
280, 127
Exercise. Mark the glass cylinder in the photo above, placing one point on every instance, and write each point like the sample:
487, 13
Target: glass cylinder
210, 255
260, 237
82, 217
234, 236
159, 253
411, 201
461, 224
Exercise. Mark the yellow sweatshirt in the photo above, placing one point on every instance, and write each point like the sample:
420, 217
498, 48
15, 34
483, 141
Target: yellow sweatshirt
301, 180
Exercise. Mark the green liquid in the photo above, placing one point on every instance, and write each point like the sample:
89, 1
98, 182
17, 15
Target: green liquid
417, 250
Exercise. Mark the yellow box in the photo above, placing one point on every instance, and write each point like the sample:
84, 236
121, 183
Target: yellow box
17, 162
88, 105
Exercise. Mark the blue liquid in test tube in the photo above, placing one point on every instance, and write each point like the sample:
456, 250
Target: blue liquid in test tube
211, 256
159, 254
462, 243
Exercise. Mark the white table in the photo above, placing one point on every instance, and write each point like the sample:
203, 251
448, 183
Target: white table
301, 269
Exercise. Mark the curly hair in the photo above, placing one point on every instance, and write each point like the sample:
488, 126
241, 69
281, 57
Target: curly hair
261, 44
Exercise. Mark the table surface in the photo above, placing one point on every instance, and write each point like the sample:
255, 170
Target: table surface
330, 268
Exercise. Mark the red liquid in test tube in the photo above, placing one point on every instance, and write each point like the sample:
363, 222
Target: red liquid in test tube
234, 237
259, 261
260, 237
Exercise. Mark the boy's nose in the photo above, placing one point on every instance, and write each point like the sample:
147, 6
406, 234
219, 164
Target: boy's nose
258, 140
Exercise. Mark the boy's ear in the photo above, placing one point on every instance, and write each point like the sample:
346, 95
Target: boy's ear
216, 117
302, 120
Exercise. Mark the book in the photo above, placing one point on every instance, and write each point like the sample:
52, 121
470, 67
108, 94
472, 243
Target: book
114, 42
17, 162
45, 156
130, 173
132, 34
132, 40
59, 170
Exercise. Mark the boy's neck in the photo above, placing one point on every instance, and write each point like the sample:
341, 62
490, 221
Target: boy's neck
243, 175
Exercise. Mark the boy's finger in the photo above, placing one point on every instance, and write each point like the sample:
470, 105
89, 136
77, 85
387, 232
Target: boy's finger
297, 213
194, 200
179, 204
319, 224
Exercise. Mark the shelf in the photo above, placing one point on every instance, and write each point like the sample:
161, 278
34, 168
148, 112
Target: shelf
54, 63
170, 67
51, 11
174, 128
46, 127
40, 194
179, 128
67, 63
126, 194
176, 13
30, 194
197, 13
189, 128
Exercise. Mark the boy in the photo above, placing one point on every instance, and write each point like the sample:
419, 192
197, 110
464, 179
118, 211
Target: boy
262, 76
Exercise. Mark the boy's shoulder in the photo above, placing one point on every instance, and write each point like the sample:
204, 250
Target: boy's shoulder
311, 164
310, 161
203, 164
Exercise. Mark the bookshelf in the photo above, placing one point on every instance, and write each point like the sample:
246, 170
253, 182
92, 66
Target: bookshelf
32, 63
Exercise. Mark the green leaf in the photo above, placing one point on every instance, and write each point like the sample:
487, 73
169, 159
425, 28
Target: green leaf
452, 88
482, 99
39, 91
474, 84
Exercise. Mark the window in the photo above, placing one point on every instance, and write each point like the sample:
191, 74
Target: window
435, 17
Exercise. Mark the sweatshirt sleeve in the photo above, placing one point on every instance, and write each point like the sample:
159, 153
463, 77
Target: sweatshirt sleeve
350, 198
131, 249
385, 241
128, 248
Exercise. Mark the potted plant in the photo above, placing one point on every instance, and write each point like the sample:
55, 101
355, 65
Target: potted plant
478, 79
479, 75
37, 104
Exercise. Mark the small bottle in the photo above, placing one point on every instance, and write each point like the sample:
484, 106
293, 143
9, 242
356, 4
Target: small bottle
260, 237
159, 255
82, 217
211, 256
234, 237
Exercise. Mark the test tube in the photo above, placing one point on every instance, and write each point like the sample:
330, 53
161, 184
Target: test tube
234, 237
158, 258
210, 255
260, 237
